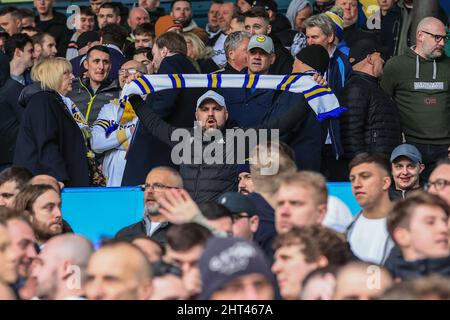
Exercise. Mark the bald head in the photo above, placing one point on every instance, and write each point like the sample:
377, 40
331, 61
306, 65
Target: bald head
45, 179
130, 71
361, 281
137, 16
129, 279
430, 38
60, 268
72, 247
170, 174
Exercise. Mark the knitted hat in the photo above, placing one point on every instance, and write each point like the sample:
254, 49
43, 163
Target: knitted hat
314, 56
226, 259
164, 23
338, 22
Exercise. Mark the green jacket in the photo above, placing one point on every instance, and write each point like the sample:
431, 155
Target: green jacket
420, 89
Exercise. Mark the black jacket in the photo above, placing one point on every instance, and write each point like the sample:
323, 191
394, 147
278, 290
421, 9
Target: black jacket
11, 115
404, 270
283, 58
138, 229
177, 108
371, 123
49, 140
395, 194
57, 27
203, 181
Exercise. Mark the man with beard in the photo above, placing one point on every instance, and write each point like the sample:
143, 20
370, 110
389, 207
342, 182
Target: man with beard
42, 205
60, 268
181, 10
206, 177
153, 224
418, 83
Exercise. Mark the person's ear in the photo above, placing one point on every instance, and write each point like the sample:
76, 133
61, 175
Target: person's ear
86, 64
119, 19
272, 59
231, 54
386, 182
322, 262
226, 115
254, 223
322, 211
17, 53
145, 290
421, 168
269, 29
164, 52
402, 237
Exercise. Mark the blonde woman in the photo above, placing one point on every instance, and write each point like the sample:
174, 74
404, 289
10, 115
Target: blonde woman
196, 49
50, 140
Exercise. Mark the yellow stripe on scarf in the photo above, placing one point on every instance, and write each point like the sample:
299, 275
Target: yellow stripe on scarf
309, 94
288, 81
128, 114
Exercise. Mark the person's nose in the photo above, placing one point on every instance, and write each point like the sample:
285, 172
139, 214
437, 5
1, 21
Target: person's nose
31, 252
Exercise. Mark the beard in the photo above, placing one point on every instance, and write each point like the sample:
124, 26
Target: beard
152, 211
44, 231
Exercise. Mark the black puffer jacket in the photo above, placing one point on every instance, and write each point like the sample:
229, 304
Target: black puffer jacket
371, 123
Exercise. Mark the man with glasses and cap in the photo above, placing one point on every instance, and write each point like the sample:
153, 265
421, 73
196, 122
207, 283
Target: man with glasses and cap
245, 216
406, 167
418, 81
153, 224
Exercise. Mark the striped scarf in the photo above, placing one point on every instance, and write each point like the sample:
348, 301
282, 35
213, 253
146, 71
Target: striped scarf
321, 99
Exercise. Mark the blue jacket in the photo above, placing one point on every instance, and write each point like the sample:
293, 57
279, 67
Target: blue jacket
338, 72
177, 108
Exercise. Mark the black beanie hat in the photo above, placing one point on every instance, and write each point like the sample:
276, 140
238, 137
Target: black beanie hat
314, 56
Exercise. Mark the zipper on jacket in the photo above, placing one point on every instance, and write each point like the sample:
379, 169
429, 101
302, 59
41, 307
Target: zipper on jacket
196, 181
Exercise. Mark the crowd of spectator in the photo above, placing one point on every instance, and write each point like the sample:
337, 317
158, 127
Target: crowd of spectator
227, 230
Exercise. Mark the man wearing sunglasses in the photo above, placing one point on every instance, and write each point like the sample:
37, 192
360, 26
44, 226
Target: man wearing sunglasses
418, 81
153, 224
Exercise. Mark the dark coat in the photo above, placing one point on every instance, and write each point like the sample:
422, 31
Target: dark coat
266, 233
82, 95
49, 140
11, 115
404, 270
58, 29
176, 107
138, 229
306, 138
371, 123
283, 58
205, 179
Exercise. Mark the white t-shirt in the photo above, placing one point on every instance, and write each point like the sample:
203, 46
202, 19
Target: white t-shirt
370, 240
338, 215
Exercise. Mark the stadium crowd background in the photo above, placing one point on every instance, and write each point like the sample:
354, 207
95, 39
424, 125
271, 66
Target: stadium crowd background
226, 230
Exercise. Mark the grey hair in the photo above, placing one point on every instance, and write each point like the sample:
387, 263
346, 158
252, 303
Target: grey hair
323, 22
234, 39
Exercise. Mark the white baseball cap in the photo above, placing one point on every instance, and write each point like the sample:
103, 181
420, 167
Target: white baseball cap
212, 95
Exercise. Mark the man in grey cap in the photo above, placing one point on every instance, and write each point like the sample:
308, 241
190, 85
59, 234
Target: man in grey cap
406, 167
249, 106
245, 216
206, 171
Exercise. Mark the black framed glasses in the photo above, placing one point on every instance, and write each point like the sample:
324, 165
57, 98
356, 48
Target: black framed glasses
438, 184
156, 186
437, 37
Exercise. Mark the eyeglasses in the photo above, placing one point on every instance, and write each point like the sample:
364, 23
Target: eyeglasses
437, 37
156, 186
439, 184
240, 216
